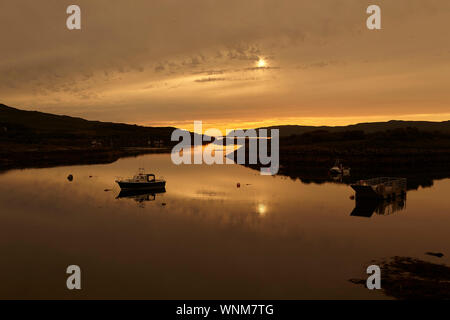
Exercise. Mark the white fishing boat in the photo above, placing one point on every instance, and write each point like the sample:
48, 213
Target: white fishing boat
141, 180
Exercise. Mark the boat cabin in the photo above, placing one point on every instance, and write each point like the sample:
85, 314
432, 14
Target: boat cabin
141, 177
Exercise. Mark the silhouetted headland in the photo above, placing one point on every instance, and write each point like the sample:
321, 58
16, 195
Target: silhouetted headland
37, 139
419, 151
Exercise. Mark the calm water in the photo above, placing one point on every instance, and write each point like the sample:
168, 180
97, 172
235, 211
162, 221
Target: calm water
204, 237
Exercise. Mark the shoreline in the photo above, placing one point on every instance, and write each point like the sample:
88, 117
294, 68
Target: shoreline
24, 157
308, 163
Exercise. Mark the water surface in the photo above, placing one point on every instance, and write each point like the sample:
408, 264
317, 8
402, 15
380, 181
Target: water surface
205, 237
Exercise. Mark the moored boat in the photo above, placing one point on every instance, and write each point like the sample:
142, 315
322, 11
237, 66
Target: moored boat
382, 188
141, 180
339, 169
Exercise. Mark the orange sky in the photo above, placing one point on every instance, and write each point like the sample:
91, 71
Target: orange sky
170, 62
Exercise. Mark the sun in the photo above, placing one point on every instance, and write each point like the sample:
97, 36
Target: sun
261, 63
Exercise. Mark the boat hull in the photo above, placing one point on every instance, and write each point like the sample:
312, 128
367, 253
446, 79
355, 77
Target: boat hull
141, 185
383, 187
335, 171
365, 191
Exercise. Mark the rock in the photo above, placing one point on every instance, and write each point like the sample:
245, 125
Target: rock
435, 254
407, 278
163, 204
357, 281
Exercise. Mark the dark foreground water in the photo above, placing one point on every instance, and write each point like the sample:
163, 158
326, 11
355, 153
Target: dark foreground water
204, 237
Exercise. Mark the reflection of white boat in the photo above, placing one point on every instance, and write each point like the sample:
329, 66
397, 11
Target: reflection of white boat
141, 196
146, 194
141, 180
338, 168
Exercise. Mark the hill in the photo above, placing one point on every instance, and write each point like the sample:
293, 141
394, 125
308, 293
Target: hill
368, 127
38, 139
33, 127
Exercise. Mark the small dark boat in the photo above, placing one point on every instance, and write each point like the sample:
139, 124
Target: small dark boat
141, 181
339, 169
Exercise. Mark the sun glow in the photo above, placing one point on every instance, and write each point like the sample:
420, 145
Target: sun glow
262, 209
261, 63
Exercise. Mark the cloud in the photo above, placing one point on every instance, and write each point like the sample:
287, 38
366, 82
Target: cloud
209, 79
159, 68
321, 58
210, 72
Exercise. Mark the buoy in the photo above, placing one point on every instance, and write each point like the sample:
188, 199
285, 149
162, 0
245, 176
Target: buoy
238, 185
70, 177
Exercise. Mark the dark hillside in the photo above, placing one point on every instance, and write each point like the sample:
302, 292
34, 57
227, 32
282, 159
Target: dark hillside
33, 127
371, 127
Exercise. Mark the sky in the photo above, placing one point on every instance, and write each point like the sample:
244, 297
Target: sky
231, 64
